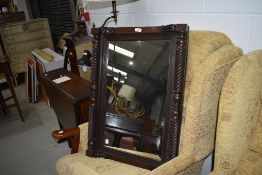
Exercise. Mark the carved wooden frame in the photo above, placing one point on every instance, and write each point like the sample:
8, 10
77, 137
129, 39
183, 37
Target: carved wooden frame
178, 36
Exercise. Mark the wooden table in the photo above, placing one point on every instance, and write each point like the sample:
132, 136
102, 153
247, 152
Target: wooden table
69, 99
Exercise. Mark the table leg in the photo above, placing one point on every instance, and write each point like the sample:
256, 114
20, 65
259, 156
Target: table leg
117, 140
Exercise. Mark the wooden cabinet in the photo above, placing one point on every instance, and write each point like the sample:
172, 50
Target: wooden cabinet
11, 17
20, 38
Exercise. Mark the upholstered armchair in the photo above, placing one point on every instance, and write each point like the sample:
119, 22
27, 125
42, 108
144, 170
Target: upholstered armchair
211, 54
238, 148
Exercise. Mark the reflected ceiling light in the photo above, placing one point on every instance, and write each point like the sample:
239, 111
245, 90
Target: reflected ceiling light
139, 43
121, 81
131, 63
116, 70
121, 50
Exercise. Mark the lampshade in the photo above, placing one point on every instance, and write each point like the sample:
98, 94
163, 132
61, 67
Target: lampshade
97, 0
127, 92
119, 2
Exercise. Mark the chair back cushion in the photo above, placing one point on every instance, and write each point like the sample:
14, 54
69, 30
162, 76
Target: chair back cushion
239, 108
202, 101
201, 45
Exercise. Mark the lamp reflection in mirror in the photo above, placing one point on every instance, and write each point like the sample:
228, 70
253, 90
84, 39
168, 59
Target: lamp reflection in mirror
127, 92
121, 102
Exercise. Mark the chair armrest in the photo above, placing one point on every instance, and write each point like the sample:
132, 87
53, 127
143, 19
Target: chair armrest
174, 166
73, 134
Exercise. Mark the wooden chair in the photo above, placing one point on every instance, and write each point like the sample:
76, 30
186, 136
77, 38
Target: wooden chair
2, 103
5, 69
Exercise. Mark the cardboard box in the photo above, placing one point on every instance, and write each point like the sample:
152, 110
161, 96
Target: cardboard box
49, 66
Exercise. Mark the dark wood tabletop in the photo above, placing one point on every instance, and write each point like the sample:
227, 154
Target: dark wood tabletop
70, 99
69, 87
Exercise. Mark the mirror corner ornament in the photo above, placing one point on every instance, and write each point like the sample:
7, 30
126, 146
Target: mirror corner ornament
175, 28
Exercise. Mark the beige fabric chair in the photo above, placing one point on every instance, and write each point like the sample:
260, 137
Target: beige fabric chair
238, 148
211, 54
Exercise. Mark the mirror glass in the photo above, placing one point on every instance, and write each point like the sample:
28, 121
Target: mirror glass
137, 74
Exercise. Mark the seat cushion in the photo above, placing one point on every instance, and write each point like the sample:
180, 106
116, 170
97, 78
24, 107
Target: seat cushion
80, 164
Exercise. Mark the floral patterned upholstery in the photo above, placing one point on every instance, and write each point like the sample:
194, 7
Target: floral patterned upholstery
83, 137
211, 54
238, 148
200, 113
80, 164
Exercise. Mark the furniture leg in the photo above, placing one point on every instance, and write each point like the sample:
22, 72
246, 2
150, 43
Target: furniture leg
2, 102
117, 139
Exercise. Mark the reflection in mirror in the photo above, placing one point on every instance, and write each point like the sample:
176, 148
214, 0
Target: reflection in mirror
136, 87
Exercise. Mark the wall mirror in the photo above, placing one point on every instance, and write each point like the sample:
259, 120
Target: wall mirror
137, 93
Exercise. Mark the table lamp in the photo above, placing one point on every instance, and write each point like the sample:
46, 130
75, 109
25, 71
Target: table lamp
114, 11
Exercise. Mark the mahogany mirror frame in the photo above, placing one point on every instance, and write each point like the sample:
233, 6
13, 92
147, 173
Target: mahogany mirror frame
178, 35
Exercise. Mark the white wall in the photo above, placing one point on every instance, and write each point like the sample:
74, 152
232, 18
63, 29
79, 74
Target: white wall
241, 20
